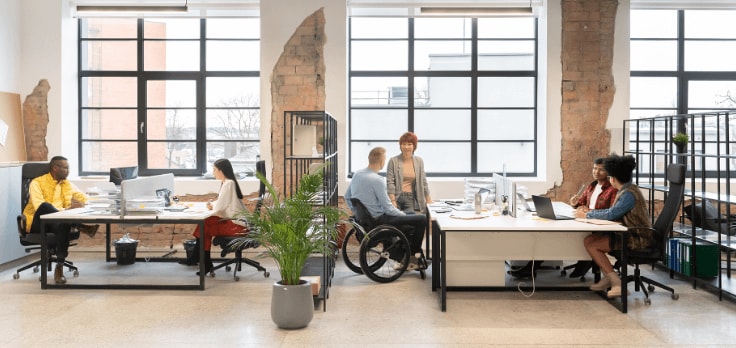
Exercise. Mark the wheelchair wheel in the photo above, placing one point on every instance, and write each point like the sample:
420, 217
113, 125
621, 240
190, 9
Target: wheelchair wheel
384, 254
351, 250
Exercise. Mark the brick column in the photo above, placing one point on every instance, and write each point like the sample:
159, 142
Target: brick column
298, 83
587, 89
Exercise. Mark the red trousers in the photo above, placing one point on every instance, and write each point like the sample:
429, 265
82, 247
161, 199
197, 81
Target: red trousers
215, 226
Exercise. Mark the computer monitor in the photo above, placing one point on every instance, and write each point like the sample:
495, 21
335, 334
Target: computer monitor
500, 182
146, 187
117, 175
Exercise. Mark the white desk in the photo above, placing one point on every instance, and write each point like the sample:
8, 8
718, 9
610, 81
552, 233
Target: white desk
196, 214
472, 252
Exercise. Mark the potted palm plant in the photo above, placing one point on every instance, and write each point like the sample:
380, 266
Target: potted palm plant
291, 229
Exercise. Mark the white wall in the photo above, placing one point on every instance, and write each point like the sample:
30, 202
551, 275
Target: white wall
48, 50
10, 46
277, 26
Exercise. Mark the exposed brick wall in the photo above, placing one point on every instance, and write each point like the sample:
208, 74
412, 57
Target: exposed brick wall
36, 121
587, 89
298, 83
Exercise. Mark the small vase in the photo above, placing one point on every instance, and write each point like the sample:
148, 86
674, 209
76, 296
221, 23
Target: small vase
681, 148
292, 306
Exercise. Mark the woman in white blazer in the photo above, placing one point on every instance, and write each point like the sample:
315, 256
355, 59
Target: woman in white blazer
228, 206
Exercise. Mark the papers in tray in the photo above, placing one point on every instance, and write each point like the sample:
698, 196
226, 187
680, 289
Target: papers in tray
597, 221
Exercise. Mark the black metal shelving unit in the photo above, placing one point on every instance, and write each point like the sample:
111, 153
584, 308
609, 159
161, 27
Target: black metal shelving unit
297, 162
710, 157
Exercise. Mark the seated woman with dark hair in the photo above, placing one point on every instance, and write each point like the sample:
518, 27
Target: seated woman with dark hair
629, 207
229, 205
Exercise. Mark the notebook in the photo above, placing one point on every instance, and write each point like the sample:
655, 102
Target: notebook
527, 206
546, 210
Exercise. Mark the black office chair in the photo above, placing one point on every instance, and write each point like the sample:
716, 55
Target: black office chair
117, 175
706, 216
661, 229
32, 241
238, 243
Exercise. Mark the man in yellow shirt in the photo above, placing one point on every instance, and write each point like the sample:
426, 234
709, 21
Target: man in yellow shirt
50, 193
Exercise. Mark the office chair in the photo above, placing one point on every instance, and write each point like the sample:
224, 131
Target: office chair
32, 241
706, 216
117, 175
243, 242
661, 229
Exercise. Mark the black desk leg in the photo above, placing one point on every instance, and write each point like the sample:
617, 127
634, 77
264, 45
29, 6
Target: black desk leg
624, 278
202, 274
108, 242
44, 256
435, 256
443, 272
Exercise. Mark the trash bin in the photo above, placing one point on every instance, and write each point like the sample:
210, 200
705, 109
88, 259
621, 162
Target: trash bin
125, 248
189, 245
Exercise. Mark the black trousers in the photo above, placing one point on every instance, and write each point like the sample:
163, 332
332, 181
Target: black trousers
61, 230
413, 226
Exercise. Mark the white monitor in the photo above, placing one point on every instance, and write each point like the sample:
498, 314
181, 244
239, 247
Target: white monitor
512, 197
144, 187
500, 183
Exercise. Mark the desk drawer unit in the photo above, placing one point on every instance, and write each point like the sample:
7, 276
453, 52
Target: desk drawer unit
478, 258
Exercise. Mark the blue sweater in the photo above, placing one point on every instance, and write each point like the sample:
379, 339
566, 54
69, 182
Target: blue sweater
370, 188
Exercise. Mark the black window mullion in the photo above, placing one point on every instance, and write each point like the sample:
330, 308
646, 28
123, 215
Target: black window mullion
142, 102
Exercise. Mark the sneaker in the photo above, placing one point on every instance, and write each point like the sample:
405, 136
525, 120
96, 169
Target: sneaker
602, 285
413, 263
616, 292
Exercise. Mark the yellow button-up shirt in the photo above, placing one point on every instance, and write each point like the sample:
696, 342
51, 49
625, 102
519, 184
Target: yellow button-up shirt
45, 189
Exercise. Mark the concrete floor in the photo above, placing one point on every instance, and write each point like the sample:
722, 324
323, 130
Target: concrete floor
360, 313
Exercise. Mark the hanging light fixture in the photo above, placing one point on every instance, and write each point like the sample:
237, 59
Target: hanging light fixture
111, 9
477, 11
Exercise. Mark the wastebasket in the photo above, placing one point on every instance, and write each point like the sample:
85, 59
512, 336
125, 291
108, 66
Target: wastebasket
125, 248
189, 245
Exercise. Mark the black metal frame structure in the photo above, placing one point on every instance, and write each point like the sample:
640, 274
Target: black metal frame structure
143, 76
473, 73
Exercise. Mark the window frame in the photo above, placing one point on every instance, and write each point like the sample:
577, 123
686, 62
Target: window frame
474, 74
143, 76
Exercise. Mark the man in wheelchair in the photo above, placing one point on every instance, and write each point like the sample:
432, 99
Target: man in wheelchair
370, 189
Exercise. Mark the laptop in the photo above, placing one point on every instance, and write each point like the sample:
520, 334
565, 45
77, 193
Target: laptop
546, 210
527, 206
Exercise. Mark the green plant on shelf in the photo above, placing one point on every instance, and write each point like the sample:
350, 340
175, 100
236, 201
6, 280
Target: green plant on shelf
680, 138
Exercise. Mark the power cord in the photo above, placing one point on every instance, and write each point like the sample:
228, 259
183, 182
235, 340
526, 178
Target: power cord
534, 284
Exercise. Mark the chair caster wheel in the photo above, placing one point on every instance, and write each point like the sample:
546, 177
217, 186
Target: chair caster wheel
266, 274
582, 279
16, 276
237, 279
563, 273
650, 288
227, 268
647, 302
35, 269
675, 296
75, 274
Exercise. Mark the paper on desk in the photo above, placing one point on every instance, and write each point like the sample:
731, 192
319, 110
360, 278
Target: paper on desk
468, 217
597, 221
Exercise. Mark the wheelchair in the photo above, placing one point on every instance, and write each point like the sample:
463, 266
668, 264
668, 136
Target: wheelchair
381, 252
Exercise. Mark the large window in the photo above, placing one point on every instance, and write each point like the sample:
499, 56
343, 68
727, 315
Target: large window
682, 62
466, 86
168, 95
